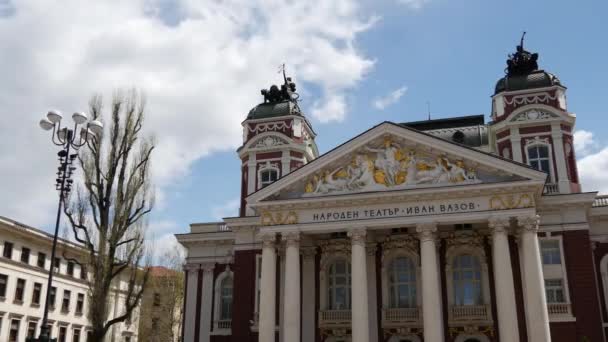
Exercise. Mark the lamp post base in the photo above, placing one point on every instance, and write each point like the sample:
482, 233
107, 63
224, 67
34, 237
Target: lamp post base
43, 337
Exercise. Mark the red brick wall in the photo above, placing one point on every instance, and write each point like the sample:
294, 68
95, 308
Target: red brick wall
564, 332
583, 286
243, 296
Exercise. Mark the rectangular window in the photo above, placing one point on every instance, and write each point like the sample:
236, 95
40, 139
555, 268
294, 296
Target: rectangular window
550, 252
156, 299
3, 285
76, 336
52, 297
19, 290
13, 335
8, 250
41, 259
57, 264
65, 303
25, 255
63, 331
83, 272
555, 291
36, 294
31, 329
80, 303
70, 268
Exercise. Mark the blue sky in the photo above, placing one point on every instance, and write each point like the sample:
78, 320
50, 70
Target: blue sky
202, 66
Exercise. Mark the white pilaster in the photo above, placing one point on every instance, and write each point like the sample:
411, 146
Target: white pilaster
359, 307
308, 296
431, 301
267, 322
285, 163
371, 292
192, 293
291, 300
252, 177
560, 158
503, 280
538, 317
516, 144
207, 301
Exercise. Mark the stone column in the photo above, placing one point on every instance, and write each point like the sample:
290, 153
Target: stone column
190, 324
268, 289
431, 300
308, 296
207, 303
372, 301
503, 280
291, 300
560, 158
536, 308
359, 306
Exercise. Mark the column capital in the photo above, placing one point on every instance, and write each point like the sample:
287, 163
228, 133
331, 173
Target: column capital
528, 223
426, 231
308, 252
499, 224
208, 267
292, 239
192, 267
357, 236
268, 239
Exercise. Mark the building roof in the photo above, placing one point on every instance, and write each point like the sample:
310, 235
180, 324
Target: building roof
466, 130
274, 109
536, 79
454, 122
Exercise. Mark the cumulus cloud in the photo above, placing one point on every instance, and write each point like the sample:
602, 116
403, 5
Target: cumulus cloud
583, 142
592, 162
390, 98
200, 63
415, 4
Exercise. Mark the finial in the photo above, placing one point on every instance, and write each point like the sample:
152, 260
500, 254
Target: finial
521, 42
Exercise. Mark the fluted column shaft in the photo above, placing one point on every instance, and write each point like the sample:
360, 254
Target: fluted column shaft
359, 306
431, 300
192, 292
268, 289
503, 280
291, 300
207, 304
538, 317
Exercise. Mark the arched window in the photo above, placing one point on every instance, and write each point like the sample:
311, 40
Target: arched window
338, 287
226, 298
402, 283
466, 273
538, 157
268, 177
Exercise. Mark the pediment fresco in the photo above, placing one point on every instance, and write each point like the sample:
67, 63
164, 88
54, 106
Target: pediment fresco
392, 163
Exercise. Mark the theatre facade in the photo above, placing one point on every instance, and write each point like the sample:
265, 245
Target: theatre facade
440, 230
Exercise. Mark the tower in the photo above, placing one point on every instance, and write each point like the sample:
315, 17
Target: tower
531, 124
277, 139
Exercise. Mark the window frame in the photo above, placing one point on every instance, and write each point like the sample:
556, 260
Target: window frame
41, 259
26, 254
8, 252
36, 294
270, 167
555, 289
541, 142
217, 314
331, 304
4, 287
10, 329
463, 282
20, 291
66, 299
394, 284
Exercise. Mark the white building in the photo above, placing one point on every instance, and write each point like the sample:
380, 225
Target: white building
25, 259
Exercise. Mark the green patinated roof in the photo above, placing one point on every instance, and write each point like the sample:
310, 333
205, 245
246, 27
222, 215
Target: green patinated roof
536, 79
274, 109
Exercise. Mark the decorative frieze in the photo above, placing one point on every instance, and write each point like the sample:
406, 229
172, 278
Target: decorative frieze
469, 239
511, 201
278, 218
400, 242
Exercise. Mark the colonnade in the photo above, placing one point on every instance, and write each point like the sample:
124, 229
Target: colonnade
432, 311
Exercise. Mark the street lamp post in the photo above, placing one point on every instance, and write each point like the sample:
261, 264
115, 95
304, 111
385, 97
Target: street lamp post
68, 139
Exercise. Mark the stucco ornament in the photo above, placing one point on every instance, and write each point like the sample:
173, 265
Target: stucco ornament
389, 166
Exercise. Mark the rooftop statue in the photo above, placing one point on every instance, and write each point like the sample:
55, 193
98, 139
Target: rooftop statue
522, 62
287, 92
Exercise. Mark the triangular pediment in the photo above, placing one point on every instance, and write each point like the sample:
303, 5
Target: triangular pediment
391, 157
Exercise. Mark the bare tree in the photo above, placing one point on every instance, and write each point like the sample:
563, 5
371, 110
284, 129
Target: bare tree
108, 214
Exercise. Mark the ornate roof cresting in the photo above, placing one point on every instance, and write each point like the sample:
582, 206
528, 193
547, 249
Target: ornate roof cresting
522, 62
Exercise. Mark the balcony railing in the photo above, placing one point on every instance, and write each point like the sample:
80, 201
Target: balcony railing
334, 317
223, 324
470, 313
601, 201
400, 315
559, 309
551, 188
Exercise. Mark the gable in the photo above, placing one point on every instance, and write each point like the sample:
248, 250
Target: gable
391, 157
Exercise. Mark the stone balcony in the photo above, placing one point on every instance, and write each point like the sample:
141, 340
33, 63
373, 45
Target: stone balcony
334, 318
395, 317
560, 311
551, 188
477, 313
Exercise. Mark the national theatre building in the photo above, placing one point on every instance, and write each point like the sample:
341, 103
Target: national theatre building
441, 230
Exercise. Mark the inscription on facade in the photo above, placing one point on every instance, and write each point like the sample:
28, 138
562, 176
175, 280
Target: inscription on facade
396, 211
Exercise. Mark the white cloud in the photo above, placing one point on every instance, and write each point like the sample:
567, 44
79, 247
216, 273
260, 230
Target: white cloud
228, 209
390, 98
592, 171
200, 63
415, 4
583, 142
